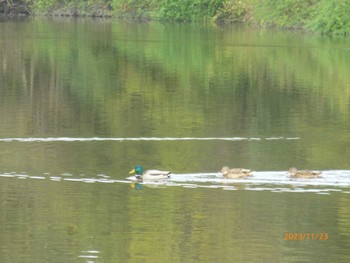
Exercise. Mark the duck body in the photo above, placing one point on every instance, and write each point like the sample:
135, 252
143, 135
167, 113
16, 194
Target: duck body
235, 172
149, 174
294, 173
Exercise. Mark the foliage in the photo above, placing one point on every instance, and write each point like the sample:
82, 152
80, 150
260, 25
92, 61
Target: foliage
233, 11
324, 16
331, 16
134, 8
188, 10
70, 7
10, 7
286, 13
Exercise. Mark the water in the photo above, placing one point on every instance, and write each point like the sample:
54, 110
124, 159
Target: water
82, 101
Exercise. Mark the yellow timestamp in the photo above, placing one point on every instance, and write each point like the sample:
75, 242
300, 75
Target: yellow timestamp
305, 236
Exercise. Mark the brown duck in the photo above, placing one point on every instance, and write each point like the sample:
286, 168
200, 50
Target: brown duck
294, 173
235, 172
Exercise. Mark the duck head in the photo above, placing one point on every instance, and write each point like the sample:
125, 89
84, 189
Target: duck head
293, 171
138, 170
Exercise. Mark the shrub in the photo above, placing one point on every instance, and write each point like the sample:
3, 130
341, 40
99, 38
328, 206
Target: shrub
331, 16
232, 11
284, 13
188, 10
134, 8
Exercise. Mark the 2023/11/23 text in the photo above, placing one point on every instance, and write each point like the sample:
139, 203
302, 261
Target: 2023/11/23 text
305, 236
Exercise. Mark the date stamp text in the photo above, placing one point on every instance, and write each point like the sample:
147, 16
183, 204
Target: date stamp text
305, 236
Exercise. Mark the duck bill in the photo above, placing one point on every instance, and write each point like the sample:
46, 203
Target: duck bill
132, 171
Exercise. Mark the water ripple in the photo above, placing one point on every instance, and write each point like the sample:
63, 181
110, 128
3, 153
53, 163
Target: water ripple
121, 139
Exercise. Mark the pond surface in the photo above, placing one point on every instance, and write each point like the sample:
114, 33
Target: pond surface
82, 101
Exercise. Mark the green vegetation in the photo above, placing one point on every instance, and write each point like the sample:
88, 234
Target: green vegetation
331, 16
287, 13
234, 11
188, 9
324, 16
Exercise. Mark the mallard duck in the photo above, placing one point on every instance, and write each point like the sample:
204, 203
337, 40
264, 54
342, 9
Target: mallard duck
235, 172
149, 174
293, 172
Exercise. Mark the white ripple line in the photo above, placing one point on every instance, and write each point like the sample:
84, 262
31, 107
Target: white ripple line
73, 139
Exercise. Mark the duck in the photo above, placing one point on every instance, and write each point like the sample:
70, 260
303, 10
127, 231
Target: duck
294, 173
235, 172
149, 174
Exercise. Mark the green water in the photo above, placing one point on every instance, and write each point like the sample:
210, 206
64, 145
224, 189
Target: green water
282, 98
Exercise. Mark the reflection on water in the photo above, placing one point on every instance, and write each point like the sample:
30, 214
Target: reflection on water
82, 101
67, 139
102, 220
